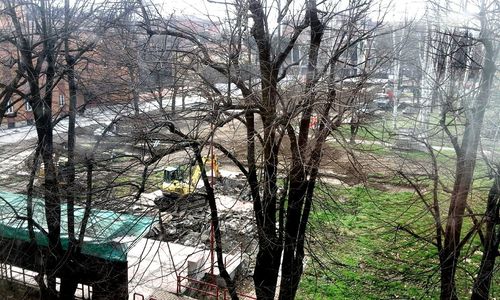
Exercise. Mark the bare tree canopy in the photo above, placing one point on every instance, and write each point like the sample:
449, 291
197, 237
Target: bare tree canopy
364, 144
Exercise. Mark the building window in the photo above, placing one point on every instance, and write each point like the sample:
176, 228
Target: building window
61, 100
10, 107
27, 106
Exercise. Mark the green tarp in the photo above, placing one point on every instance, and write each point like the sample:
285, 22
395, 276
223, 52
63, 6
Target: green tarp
108, 234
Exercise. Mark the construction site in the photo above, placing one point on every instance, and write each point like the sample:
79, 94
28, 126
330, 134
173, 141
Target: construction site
213, 150
163, 238
150, 220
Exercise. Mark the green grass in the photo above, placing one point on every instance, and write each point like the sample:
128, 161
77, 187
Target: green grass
362, 253
374, 149
381, 128
446, 158
377, 129
364, 227
358, 247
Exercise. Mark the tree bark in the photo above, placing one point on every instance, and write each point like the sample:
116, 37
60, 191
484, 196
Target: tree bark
215, 223
481, 288
466, 162
68, 281
270, 248
174, 99
299, 183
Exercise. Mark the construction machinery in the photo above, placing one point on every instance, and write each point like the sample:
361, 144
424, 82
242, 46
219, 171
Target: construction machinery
180, 182
60, 163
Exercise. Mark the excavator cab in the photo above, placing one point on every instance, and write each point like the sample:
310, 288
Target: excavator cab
172, 173
60, 163
182, 181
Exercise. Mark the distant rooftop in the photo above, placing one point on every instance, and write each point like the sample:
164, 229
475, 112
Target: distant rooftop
109, 235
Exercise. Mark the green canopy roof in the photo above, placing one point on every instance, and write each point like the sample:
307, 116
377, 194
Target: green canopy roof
108, 235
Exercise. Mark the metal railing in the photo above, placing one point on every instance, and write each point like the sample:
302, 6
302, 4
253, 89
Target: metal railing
138, 296
27, 278
208, 290
18, 275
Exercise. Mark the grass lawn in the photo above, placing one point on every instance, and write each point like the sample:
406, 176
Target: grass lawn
366, 256
359, 247
361, 244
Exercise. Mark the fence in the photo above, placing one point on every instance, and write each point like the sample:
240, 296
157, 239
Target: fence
206, 289
27, 278
138, 296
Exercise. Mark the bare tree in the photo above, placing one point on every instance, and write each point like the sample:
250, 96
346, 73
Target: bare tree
50, 40
277, 126
491, 243
458, 66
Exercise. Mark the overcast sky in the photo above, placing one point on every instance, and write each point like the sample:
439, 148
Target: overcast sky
397, 10
201, 7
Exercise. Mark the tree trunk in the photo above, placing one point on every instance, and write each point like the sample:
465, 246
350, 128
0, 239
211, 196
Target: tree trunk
481, 288
51, 197
135, 92
270, 247
45, 136
135, 95
448, 267
466, 162
215, 224
68, 285
266, 269
174, 98
269, 254
184, 94
68, 281
292, 262
354, 128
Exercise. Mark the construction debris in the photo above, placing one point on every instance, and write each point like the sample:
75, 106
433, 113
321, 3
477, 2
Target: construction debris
187, 221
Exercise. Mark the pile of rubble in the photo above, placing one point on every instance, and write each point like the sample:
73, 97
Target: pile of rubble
192, 227
188, 221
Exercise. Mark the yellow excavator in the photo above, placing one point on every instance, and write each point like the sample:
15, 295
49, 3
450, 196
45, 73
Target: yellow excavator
60, 164
181, 181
